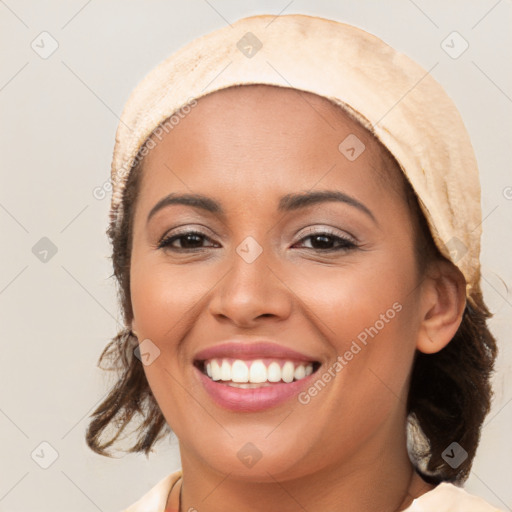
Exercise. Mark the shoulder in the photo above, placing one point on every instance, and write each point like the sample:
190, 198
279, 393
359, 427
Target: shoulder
155, 499
447, 497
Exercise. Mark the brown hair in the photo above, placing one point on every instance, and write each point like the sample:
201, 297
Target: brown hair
449, 395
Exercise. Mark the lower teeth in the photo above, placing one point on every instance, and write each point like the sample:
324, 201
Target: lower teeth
247, 385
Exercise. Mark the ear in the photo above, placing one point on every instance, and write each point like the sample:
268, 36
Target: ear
443, 302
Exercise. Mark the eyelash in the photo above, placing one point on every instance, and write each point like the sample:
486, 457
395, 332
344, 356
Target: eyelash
346, 243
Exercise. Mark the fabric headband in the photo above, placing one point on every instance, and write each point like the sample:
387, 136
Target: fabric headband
391, 95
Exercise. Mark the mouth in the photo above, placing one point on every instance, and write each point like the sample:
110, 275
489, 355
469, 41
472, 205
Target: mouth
248, 376
255, 373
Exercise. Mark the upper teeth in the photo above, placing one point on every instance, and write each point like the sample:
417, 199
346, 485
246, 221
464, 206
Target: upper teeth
256, 371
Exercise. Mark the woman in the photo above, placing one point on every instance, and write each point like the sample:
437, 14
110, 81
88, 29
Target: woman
296, 232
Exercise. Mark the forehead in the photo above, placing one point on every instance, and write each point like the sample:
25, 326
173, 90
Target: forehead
268, 135
263, 108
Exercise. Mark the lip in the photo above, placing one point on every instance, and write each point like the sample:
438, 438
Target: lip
252, 350
254, 399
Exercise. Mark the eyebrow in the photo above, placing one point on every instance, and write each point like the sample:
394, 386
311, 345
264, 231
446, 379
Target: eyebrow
287, 203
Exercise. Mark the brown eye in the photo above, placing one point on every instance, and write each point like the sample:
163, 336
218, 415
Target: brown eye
324, 241
190, 240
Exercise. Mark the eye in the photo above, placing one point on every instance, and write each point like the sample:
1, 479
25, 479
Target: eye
323, 241
327, 241
188, 240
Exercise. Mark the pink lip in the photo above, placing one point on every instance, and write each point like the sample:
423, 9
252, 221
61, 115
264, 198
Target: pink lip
255, 399
252, 350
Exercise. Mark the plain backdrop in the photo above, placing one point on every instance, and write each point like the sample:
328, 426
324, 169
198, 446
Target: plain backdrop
59, 114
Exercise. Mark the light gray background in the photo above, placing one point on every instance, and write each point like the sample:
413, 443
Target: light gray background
59, 117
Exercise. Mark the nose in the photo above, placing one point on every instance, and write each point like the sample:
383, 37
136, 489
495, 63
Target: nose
251, 291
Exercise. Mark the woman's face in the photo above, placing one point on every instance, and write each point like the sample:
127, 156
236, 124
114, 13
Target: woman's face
301, 243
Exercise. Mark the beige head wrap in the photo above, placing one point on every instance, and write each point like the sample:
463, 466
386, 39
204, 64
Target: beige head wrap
391, 95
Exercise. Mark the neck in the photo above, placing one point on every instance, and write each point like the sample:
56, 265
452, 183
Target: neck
382, 480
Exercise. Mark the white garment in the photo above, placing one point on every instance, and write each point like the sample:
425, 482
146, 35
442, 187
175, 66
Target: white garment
445, 497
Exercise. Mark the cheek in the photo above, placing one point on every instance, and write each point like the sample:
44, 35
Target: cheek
164, 301
352, 298
368, 313
161, 297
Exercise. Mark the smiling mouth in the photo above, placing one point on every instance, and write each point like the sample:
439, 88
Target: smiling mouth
255, 373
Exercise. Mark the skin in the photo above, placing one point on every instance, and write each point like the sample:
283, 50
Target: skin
246, 147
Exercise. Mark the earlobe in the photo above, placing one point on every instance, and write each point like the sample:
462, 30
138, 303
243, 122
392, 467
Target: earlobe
444, 301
